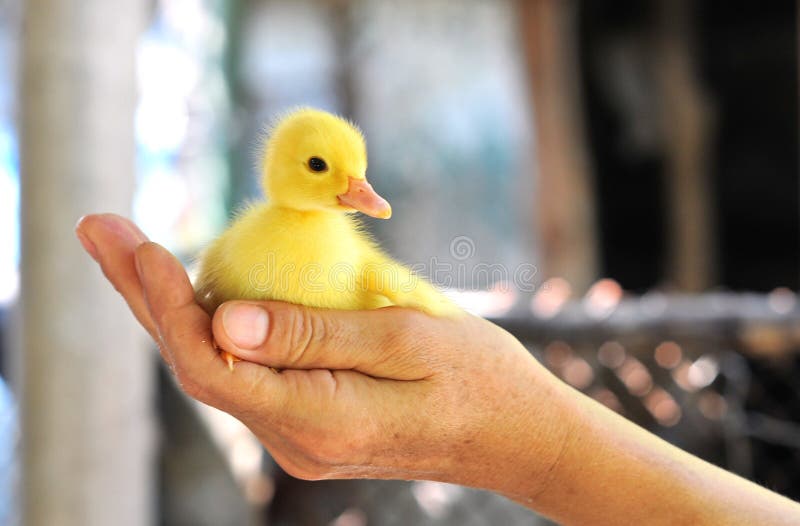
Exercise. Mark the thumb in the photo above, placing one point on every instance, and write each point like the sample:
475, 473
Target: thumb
389, 343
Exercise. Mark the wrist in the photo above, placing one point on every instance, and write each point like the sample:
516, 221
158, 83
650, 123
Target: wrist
543, 438
523, 436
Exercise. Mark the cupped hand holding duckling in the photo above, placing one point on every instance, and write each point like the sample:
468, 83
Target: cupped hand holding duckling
302, 244
394, 393
381, 393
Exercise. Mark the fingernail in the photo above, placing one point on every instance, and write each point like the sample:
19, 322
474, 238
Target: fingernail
88, 246
138, 265
246, 325
121, 228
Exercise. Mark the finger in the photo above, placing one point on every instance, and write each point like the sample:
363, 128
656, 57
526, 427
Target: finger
185, 329
111, 240
387, 343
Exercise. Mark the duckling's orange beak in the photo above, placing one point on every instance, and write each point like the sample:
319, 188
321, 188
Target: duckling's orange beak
363, 198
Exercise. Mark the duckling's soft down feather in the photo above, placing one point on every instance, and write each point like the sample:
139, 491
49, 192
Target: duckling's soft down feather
303, 245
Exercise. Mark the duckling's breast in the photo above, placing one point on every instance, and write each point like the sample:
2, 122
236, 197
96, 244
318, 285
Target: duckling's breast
275, 254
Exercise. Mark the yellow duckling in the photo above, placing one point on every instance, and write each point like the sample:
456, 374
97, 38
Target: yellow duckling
303, 245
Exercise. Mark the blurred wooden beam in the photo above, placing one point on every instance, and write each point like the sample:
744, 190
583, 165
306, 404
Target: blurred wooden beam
85, 385
565, 201
688, 126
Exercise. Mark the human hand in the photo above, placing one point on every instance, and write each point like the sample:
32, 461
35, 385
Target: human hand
394, 393
389, 393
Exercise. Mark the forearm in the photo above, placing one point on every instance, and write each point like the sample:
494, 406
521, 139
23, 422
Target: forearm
392, 393
614, 472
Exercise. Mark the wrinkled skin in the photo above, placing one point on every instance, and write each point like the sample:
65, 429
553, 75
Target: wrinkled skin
393, 393
388, 393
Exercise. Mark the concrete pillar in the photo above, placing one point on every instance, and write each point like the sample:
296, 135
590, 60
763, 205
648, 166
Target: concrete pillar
85, 377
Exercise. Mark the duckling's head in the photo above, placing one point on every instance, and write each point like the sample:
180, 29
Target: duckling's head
318, 161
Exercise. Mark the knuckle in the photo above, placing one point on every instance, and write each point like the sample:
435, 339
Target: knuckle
189, 387
168, 318
328, 453
170, 326
406, 330
338, 451
305, 469
303, 473
192, 388
306, 329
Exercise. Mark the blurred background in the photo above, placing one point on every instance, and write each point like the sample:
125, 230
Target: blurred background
616, 182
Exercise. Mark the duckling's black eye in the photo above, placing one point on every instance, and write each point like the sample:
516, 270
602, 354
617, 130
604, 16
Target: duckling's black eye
317, 165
